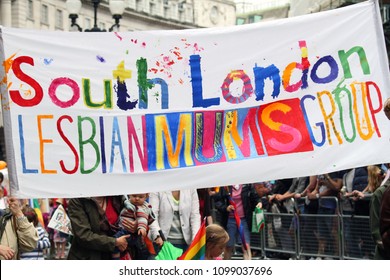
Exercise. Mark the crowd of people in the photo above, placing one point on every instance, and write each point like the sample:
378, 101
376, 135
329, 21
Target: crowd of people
136, 226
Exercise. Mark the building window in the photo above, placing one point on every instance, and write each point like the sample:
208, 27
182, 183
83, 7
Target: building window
240, 21
102, 25
87, 24
152, 8
181, 15
166, 12
254, 18
385, 13
258, 18
181, 6
30, 9
139, 5
44, 14
214, 14
59, 19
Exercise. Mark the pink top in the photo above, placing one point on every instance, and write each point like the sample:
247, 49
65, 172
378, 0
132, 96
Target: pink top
236, 196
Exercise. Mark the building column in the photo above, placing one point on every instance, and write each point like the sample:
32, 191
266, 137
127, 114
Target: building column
5, 15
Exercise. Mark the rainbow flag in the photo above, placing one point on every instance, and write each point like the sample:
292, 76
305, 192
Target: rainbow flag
197, 249
34, 203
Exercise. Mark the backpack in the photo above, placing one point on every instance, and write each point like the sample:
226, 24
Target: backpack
4, 217
360, 179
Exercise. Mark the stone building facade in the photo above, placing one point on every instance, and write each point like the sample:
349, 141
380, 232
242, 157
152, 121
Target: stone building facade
138, 15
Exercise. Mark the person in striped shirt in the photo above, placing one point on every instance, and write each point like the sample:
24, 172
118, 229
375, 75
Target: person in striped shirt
43, 238
136, 208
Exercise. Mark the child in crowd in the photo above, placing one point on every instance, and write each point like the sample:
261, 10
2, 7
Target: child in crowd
60, 238
216, 241
43, 241
136, 208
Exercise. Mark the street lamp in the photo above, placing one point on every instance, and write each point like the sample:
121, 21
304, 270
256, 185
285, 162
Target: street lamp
117, 8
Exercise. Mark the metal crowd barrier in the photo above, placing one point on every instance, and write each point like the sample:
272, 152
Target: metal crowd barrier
298, 235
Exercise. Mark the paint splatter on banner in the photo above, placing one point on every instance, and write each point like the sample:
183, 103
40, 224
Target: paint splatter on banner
188, 109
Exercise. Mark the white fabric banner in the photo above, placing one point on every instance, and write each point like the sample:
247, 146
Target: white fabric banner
89, 114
